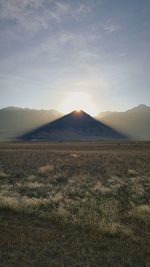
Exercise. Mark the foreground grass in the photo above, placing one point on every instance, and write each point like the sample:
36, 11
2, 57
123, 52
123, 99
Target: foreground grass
74, 208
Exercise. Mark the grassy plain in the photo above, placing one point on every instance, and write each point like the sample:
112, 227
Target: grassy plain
74, 204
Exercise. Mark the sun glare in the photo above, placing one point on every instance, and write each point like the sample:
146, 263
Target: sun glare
78, 101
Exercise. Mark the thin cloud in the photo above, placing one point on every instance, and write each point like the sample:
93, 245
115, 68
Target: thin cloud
79, 47
32, 15
111, 27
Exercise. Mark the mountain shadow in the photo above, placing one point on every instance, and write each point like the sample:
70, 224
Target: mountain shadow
73, 126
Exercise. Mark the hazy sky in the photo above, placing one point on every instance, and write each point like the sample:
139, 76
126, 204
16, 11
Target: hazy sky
50, 50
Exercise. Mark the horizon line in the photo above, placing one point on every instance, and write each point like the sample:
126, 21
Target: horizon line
64, 113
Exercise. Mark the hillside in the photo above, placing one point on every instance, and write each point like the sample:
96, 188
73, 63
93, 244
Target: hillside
134, 122
15, 121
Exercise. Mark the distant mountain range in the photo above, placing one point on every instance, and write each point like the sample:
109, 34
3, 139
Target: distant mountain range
134, 122
73, 126
16, 121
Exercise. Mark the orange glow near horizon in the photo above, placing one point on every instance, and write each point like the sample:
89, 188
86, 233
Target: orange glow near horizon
78, 101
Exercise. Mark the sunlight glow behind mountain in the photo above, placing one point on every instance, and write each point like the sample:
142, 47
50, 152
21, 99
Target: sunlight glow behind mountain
78, 101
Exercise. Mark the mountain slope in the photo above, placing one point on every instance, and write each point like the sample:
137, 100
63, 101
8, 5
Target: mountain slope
140, 108
134, 122
74, 126
15, 121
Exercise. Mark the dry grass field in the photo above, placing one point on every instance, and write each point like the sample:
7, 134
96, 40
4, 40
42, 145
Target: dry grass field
74, 204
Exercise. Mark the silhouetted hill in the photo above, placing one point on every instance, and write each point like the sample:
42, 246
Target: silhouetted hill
15, 121
73, 126
134, 122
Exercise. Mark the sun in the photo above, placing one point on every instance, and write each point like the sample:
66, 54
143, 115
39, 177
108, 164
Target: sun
78, 101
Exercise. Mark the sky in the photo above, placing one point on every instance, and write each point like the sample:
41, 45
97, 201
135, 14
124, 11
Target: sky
75, 54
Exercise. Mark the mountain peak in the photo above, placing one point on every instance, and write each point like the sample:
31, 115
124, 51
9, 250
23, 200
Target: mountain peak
78, 112
140, 108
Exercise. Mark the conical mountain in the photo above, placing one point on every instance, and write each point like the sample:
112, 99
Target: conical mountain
74, 126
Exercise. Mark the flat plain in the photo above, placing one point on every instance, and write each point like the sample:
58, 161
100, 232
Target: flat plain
75, 204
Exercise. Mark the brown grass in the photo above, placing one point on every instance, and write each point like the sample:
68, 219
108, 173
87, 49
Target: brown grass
63, 210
